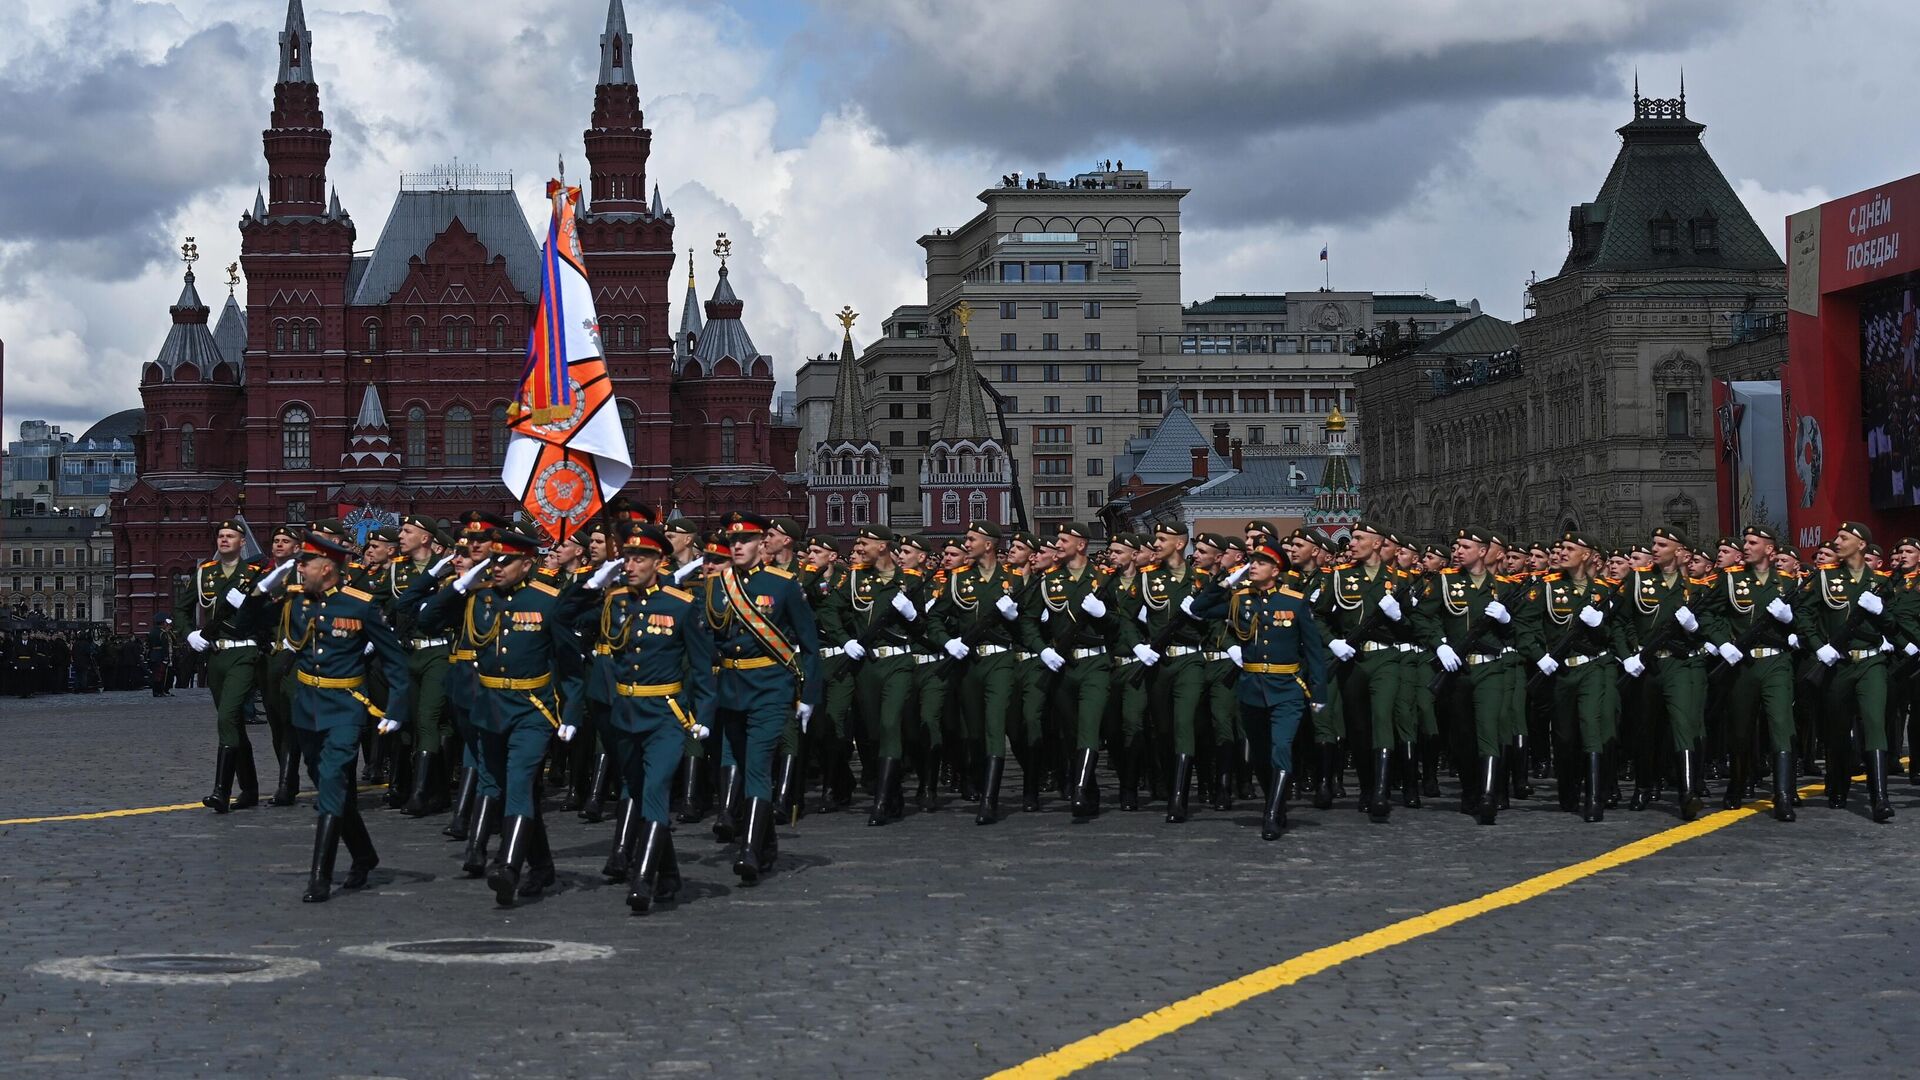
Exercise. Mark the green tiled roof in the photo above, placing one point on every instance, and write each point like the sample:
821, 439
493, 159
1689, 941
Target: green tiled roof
1242, 304
1664, 173
1694, 288
1415, 304
1482, 335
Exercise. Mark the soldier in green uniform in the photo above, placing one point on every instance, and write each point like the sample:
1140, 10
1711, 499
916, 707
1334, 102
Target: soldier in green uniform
1217, 560
276, 673
1177, 681
975, 623
1460, 618
219, 591
1755, 605
426, 664
930, 698
1668, 639
159, 659
660, 663
781, 545
1131, 668
1283, 665
769, 656
1034, 678
1567, 631
336, 633
1083, 633
1846, 616
871, 611
1359, 605
833, 732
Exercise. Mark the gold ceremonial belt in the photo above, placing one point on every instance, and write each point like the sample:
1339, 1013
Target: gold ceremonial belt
463, 655
634, 689
351, 682
752, 664
1273, 669
603, 650
496, 682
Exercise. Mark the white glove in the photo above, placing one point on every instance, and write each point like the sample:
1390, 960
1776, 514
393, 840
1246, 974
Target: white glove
440, 567
1449, 660
1238, 573
1793, 641
1885, 645
1634, 666
1144, 653
1390, 607
199, 641
368, 651
1730, 653
957, 648
605, 573
700, 731
1497, 611
804, 712
1052, 659
686, 571
1143, 615
1592, 616
1045, 614
1827, 655
1007, 608
274, 577
1684, 617
566, 732
1319, 706
388, 726
235, 597
1911, 649
1340, 649
1093, 605
286, 643
1780, 610
905, 606
1871, 602
854, 650
466, 581
1186, 607
1234, 654
1547, 665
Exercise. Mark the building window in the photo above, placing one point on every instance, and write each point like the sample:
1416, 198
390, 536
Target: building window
373, 335
836, 510
977, 506
497, 432
297, 512
860, 509
1009, 341
896, 383
923, 410
1050, 404
1093, 370
1050, 309
414, 330
500, 335
1677, 414
1292, 433
729, 449
1286, 345
1053, 465
1095, 436
1009, 373
1050, 373
459, 439
1008, 309
1094, 403
1149, 404
416, 436
1013, 404
186, 445
1122, 254
1013, 272
313, 337
896, 438
279, 337
1256, 435
1052, 436
1050, 342
59, 559
296, 439
1094, 499
897, 411
923, 437
1090, 342
1090, 309
923, 382
1093, 466
950, 508
1320, 345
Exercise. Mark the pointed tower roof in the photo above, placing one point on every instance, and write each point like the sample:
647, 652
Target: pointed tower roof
369, 443
848, 423
1336, 478
724, 334
230, 337
616, 48
659, 208
259, 205
296, 47
965, 413
689, 320
188, 339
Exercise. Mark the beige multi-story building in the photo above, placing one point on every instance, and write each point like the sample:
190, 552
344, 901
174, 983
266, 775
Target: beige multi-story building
57, 566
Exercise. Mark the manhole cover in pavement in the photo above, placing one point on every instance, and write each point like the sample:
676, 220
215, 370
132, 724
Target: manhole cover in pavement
472, 947
181, 965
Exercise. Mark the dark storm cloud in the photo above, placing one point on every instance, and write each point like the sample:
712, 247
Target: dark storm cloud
98, 148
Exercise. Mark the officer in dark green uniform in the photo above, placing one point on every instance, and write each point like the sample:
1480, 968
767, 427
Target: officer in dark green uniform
833, 731
1755, 604
426, 662
932, 703
660, 663
1846, 615
1125, 556
1082, 631
975, 623
1460, 617
1177, 677
1217, 559
276, 671
1359, 604
219, 591
1041, 754
872, 611
1283, 665
1567, 630
769, 670
335, 633
1668, 639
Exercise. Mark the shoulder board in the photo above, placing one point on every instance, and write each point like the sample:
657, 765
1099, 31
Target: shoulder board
1399, 573
1295, 593
1708, 580
1607, 581
1911, 574
1829, 566
547, 572
209, 562
1552, 575
1149, 567
912, 573
1506, 580
296, 587
356, 593
543, 587
1345, 565
777, 572
1883, 573
677, 593
1449, 569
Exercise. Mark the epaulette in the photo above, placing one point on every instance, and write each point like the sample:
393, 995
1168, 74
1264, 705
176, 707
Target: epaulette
1911, 574
1611, 583
1149, 567
677, 593
1345, 565
296, 587
1399, 573
1295, 593
1883, 573
547, 572
209, 562
788, 574
1449, 569
357, 594
544, 587
1506, 580
913, 571
1829, 566
1551, 575
1709, 580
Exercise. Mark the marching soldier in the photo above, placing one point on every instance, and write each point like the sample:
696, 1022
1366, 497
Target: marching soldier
871, 610
1756, 605
159, 660
834, 732
1668, 639
976, 619
1461, 618
781, 542
1083, 633
1358, 604
276, 680
427, 664
1172, 649
1036, 680
1130, 668
1845, 616
219, 591
929, 695
1567, 631
1217, 560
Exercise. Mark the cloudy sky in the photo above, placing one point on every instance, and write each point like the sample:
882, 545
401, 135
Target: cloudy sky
1432, 144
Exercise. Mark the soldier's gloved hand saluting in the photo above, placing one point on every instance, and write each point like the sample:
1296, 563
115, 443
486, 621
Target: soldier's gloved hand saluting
440, 567
274, 577
904, 606
465, 582
605, 573
1007, 608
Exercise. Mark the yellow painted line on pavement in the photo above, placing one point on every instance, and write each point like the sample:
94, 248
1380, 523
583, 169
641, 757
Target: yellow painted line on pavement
1137, 1032
137, 811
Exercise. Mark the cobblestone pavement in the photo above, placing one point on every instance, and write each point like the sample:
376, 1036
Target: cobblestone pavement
934, 948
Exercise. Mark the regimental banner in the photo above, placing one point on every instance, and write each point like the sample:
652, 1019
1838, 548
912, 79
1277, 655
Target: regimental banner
566, 454
362, 520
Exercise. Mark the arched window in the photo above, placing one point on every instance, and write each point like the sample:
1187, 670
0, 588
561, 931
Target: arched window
466, 334
619, 53
860, 509
836, 510
977, 506
497, 434
416, 436
459, 440
728, 451
279, 337
629, 423
296, 439
186, 445
373, 335
500, 333
313, 336
414, 330
1676, 414
950, 508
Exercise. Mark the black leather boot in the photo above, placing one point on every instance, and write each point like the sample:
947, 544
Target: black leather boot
990, 792
1690, 801
726, 820
1517, 783
1223, 759
540, 872
693, 791
288, 788
1329, 755
928, 797
353, 830
646, 875
1877, 769
1274, 822
888, 776
1409, 776
749, 864
1489, 783
463, 805
599, 787
1783, 786
1177, 796
1737, 769
1086, 788
421, 796
503, 877
1430, 767
1382, 806
1128, 761
326, 846
624, 832
224, 761
1243, 775
247, 780
485, 819
786, 787
1593, 803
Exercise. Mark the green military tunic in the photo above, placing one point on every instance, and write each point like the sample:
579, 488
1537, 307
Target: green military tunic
1086, 643
1829, 614
231, 634
969, 611
1348, 606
